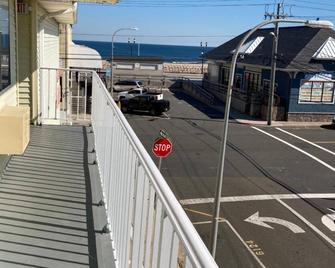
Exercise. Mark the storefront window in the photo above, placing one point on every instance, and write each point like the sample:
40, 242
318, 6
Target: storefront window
4, 45
316, 91
224, 76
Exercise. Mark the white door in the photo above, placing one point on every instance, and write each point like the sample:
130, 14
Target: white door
49, 63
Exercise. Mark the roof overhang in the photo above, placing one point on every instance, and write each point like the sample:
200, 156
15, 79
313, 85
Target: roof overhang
63, 11
326, 51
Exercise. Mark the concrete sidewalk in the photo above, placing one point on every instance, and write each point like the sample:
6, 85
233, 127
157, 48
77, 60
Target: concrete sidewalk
249, 120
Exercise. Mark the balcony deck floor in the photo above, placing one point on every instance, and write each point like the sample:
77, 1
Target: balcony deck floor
45, 203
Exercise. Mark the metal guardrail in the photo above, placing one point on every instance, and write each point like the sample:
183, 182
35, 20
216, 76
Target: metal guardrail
220, 91
149, 228
197, 90
64, 95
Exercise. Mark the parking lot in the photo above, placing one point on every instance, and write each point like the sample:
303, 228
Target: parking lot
278, 195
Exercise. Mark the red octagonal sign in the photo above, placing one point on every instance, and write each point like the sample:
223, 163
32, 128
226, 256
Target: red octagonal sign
162, 147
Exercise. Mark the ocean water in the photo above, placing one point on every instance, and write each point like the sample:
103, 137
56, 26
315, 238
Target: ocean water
169, 53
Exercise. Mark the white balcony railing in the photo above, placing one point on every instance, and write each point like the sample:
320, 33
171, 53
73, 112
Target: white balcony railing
149, 228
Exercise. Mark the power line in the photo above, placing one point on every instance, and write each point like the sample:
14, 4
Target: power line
319, 3
314, 8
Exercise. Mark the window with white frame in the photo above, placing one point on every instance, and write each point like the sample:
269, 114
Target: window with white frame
252, 81
4, 45
316, 91
224, 76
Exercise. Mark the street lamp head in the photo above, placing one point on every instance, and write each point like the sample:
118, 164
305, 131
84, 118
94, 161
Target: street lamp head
319, 24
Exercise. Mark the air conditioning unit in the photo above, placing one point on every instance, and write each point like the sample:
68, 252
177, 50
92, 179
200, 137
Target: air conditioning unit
15, 130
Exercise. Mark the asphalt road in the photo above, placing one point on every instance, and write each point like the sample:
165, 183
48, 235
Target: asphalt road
276, 191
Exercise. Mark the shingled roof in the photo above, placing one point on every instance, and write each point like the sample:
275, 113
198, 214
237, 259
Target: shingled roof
296, 47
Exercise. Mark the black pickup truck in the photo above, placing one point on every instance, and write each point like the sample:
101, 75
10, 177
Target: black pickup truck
145, 103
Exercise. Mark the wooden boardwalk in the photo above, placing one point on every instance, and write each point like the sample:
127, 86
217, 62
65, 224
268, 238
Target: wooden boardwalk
45, 203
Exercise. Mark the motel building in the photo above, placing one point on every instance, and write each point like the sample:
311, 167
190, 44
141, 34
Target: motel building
68, 202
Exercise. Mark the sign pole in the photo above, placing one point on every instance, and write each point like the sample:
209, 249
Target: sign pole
160, 163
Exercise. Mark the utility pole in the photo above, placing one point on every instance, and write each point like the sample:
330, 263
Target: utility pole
134, 41
273, 66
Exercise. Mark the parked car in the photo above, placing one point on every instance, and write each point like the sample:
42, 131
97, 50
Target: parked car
146, 103
137, 92
126, 85
131, 93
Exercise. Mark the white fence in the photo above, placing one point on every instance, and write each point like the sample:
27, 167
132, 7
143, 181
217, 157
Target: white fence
148, 226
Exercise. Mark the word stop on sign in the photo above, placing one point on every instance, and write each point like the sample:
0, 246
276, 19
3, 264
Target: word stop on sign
162, 147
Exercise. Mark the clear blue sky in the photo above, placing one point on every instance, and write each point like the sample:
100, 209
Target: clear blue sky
213, 21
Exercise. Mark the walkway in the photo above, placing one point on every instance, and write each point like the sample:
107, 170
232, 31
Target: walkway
45, 203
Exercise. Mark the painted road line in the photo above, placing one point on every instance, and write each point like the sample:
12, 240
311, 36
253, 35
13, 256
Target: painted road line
308, 223
205, 222
329, 220
264, 197
297, 148
245, 244
307, 141
262, 221
200, 213
234, 231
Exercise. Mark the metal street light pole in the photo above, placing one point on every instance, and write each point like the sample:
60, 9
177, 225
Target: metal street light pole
202, 56
217, 203
112, 56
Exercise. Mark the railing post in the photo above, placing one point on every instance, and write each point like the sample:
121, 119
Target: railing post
85, 99
78, 94
68, 96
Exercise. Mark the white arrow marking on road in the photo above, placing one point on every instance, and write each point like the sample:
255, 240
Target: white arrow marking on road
255, 219
329, 220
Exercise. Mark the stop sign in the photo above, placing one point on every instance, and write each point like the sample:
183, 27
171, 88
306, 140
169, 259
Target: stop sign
162, 147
